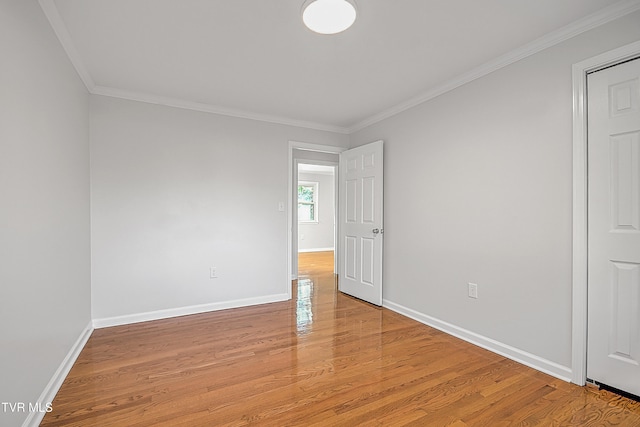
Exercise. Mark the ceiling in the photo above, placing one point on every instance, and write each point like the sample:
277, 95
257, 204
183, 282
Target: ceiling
255, 58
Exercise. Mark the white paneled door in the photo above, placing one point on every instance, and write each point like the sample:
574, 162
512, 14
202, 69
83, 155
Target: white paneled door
361, 226
613, 356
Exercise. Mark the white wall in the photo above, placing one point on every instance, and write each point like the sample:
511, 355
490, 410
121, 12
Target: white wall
44, 198
478, 188
175, 192
319, 235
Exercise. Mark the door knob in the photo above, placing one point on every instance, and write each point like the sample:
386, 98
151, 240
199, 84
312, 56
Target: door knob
375, 231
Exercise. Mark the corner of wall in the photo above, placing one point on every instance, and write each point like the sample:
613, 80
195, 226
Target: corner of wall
48, 394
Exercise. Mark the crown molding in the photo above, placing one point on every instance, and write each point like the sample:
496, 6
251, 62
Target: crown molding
60, 29
213, 109
594, 20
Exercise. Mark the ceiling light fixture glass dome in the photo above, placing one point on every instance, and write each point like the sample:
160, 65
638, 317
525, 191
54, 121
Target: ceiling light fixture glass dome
328, 16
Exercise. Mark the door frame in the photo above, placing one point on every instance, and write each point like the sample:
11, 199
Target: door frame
291, 208
580, 208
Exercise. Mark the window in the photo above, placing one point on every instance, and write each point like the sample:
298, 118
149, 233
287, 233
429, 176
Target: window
307, 201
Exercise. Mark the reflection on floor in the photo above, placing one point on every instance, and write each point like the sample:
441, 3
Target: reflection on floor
304, 311
313, 268
321, 359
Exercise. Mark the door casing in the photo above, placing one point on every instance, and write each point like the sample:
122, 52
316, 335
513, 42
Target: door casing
290, 206
580, 208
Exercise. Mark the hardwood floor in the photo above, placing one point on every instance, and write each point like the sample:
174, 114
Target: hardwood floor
321, 359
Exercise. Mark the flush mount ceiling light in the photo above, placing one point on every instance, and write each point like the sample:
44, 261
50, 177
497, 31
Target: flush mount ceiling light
328, 16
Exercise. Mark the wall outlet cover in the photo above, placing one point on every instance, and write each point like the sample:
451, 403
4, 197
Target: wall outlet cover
473, 290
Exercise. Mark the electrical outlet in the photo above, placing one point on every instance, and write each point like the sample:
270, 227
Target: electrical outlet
213, 273
473, 290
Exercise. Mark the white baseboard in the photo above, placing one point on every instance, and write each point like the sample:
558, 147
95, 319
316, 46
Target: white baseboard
531, 360
315, 250
50, 391
185, 311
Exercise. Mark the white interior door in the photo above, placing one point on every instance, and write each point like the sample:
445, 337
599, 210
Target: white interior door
361, 232
613, 355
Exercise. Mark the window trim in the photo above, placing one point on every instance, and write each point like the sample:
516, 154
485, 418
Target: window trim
315, 203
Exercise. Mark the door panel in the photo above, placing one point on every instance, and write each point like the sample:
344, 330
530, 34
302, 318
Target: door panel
350, 258
368, 257
361, 223
350, 199
614, 227
625, 181
625, 282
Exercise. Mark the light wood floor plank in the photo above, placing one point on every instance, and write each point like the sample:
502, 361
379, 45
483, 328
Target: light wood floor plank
321, 359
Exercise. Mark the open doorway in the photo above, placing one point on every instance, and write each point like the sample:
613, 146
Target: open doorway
315, 206
316, 214
321, 157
